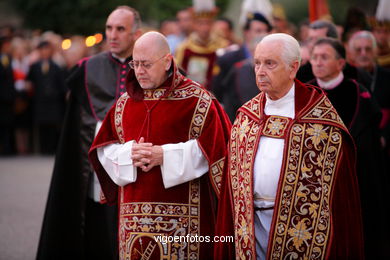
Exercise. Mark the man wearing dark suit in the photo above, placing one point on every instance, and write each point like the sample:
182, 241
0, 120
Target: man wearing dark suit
255, 27
319, 29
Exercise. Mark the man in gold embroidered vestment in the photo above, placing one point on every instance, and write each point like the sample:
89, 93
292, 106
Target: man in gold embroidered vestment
291, 189
159, 155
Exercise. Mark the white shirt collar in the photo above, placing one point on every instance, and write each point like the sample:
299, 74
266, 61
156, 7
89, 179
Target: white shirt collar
331, 84
122, 60
283, 106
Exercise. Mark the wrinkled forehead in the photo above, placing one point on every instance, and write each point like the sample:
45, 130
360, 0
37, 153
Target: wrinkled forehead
268, 50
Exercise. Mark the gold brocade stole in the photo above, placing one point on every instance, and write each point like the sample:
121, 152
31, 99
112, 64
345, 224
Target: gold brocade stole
301, 222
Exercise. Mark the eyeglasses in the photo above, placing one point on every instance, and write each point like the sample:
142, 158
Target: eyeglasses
134, 64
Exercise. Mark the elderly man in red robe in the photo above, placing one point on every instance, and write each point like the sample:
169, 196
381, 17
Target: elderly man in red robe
291, 189
160, 155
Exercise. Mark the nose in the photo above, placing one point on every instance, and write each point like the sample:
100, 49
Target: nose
139, 69
113, 34
259, 69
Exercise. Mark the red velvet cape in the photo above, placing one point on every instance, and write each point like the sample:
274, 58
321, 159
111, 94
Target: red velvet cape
317, 208
179, 110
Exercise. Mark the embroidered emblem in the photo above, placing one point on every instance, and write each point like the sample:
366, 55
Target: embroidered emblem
141, 222
276, 126
299, 234
317, 133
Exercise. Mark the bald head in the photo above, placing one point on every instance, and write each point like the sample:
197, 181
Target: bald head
154, 42
151, 60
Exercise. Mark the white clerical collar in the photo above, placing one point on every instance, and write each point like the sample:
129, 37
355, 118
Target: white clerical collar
283, 106
282, 100
331, 84
122, 60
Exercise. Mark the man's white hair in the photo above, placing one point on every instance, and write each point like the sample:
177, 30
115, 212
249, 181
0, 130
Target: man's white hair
362, 35
290, 47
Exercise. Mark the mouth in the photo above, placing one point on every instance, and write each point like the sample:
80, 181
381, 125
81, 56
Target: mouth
261, 82
142, 79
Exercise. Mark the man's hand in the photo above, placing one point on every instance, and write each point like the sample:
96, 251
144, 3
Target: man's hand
146, 155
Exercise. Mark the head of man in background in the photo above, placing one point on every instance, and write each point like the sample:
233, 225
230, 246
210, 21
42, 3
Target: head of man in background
320, 29
223, 27
327, 59
185, 21
362, 50
122, 30
256, 26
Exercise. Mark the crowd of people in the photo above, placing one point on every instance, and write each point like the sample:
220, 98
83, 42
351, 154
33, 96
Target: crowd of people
33, 70
148, 115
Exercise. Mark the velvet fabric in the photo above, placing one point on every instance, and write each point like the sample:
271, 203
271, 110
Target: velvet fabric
361, 114
332, 194
177, 111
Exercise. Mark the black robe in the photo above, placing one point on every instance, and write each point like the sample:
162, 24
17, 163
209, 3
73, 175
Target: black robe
240, 87
225, 62
305, 74
380, 88
74, 226
361, 114
7, 102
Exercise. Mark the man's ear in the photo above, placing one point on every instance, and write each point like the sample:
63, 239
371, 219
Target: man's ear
137, 34
169, 63
294, 69
341, 63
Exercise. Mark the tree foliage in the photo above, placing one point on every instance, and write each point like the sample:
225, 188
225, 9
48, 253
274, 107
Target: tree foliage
89, 16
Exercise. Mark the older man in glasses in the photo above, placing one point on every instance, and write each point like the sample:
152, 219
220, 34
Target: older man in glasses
160, 154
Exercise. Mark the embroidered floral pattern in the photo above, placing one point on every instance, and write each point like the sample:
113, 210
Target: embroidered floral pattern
119, 108
244, 136
140, 222
216, 172
324, 111
303, 209
276, 126
200, 114
318, 134
299, 234
302, 215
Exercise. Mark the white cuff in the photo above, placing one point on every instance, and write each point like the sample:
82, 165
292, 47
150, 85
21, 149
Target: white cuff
116, 160
182, 162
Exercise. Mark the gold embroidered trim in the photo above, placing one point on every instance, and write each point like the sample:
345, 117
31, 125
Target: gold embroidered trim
140, 222
242, 152
119, 108
253, 105
216, 173
199, 118
192, 90
325, 111
303, 218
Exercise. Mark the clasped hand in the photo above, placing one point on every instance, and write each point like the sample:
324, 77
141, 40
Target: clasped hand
146, 155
